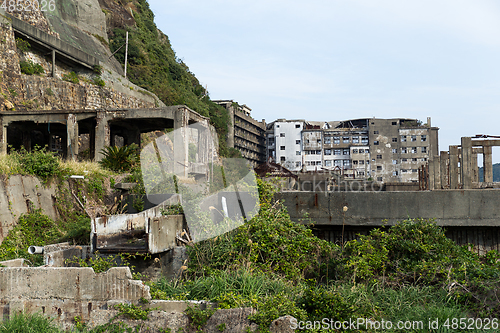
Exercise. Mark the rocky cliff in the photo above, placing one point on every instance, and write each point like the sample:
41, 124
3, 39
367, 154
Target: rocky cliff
83, 25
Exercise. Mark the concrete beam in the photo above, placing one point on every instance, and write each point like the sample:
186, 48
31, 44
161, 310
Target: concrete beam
72, 137
102, 135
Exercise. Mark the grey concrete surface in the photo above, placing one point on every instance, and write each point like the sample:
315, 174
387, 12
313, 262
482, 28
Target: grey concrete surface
448, 207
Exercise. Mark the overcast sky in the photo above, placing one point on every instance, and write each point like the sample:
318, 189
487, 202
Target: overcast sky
343, 59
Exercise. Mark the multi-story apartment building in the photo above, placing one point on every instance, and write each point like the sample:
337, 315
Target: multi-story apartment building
386, 150
245, 133
284, 143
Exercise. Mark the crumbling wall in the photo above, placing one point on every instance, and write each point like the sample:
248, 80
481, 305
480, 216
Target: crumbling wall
20, 194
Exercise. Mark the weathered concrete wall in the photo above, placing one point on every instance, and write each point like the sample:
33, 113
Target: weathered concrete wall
20, 194
63, 293
449, 208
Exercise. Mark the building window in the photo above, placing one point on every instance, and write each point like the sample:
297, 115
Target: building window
355, 162
361, 162
297, 142
379, 179
277, 126
424, 159
318, 152
282, 135
413, 138
354, 151
338, 163
403, 150
361, 173
282, 158
394, 151
347, 163
297, 125
394, 139
394, 161
282, 147
394, 122
355, 139
404, 160
414, 170
375, 143
413, 150
413, 159
375, 132
403, 170
297, 164
379, 157
346, 139
403, 138
297, 153
424, 149
367, 162
379, 167
328, 151
346, 152
364, 140
328, 163
361, 151
328, 140
318, 141
318, 162
337, 152
394, 173
336, 140
423, 138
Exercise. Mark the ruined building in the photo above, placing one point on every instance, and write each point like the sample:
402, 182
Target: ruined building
245, 133
385, 150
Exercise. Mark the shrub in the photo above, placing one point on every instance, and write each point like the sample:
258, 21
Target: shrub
98, 81
34, 228
39, 162
71, 77
22, 44
30, 68
120, 158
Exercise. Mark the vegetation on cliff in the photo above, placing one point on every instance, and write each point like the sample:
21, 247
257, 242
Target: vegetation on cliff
153, 65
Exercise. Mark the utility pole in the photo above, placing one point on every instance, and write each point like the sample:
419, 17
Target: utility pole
126, 53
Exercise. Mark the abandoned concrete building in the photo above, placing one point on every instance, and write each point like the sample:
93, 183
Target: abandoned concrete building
245, 133
386, 150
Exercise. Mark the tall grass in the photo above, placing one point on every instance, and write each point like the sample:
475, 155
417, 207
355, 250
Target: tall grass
9, 165
28, 323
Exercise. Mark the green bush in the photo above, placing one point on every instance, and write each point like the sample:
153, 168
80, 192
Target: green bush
30, 68
22, 44
34, 228
71, 77
120, 159
39, 162
321, 303
98, 81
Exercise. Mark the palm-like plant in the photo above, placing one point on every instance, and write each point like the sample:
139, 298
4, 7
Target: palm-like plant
120, 159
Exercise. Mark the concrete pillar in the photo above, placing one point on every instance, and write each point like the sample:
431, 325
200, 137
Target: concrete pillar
436, 161
102, 135
430, 174
488, 164
475, 169
53, 63
3, 137
444, 163
465, 163
453, 167
181, 142
72, 137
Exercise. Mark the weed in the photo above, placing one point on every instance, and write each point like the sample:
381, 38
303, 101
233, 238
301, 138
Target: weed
71, 77
199, 317
39, 162
12, 92
30, 68
49, 92
132, 311
98, 81
221, 327
120, 158
172, 210
22, 44
28, 323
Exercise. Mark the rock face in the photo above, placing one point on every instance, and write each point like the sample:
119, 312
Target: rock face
282, 325
81, 24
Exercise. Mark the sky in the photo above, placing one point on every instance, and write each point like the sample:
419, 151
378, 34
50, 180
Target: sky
327, 60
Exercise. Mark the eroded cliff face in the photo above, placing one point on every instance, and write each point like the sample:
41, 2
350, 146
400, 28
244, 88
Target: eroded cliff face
81, 24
